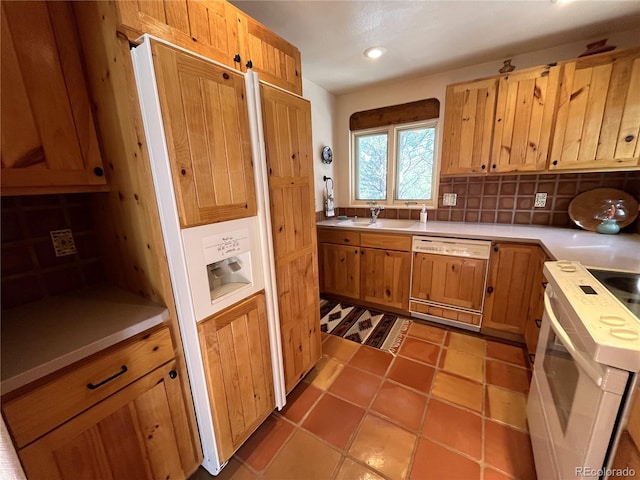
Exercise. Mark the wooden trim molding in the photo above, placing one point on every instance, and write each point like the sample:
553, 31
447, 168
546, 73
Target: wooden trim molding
403, 113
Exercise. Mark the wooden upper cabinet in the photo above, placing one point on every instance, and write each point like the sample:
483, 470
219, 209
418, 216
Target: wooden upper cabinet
207, 129
207, 27
598, 119
49, 141
219, 31
237, 360
468, 126
524, 119
287, 133
274, 59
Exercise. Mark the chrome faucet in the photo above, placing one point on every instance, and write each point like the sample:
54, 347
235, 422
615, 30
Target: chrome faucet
375, 211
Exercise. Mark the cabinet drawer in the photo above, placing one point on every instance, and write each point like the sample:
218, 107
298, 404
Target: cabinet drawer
446, 313
43, 408
386, 241
341, 237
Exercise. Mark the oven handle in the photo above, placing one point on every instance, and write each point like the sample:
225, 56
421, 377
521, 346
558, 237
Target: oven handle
579, 358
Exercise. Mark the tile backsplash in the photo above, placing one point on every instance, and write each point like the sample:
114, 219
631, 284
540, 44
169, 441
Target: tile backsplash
509, 199
30, 268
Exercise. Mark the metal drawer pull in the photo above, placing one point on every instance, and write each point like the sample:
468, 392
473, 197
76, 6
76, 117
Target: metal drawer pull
123, 369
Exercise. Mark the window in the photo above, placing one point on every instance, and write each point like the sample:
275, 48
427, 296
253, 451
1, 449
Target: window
394, 164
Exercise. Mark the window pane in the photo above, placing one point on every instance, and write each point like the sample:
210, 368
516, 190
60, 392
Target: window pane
415, 163
371, 157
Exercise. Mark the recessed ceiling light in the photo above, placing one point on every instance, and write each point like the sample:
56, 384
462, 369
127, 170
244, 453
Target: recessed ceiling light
375, 52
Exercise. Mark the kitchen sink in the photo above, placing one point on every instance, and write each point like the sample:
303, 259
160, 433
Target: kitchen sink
380, 223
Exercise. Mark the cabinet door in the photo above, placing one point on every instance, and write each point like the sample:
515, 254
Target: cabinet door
385, 277
468, 127
536, 308
512, 270
207, 129
237, 362
141, 432
287, 132
273, 58
448, 280
524, 120
340, 270
598, 117
49, 142
207, 27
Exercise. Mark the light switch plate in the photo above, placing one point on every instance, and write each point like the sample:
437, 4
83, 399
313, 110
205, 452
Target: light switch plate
63, 243
541, 200
449, 199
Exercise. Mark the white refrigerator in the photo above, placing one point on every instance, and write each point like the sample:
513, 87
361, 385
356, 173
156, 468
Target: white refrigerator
245, 242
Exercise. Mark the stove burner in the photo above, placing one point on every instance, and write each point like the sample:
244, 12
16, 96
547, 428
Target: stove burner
626, 284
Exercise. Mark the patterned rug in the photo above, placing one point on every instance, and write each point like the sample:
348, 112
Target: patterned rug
367, 327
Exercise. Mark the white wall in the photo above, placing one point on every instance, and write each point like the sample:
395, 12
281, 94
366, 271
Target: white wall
322, 118
434, 86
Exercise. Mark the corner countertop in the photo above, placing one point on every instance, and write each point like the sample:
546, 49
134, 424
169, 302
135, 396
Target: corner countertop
618, 252
42, 337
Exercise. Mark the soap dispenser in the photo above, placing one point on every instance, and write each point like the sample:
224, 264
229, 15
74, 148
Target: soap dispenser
423, 214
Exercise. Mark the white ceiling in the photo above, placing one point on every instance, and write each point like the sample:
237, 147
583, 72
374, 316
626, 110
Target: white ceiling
424, 37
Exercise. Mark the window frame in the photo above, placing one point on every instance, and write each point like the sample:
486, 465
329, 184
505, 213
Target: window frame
392, 132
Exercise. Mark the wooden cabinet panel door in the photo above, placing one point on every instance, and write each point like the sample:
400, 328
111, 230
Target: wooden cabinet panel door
512, 270
207, 27
536, 308
339, 269
273, 58
237, 360
287, 132
598, 116
524, 120
141, 432
207, 129
49, 139
468, 127
385, 277
449, 280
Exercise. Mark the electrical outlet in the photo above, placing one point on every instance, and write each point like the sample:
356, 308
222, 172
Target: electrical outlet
63, 243
541, 200
449, 199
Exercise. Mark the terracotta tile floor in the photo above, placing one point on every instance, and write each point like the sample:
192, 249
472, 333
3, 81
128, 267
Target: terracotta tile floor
451, 405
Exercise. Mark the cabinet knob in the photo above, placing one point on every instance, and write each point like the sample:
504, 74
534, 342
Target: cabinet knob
237, 58
532, 357
555, 162
225, 75
494, 166
249, 64
173, 374
489, 289
538, 322
355, 251
629, 138
183, 172
483, 167
496, 249
98, 172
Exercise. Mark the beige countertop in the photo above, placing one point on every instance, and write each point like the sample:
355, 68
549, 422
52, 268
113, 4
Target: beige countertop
620, 252
42, 337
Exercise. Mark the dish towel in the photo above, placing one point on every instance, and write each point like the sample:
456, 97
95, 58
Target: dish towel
329, 210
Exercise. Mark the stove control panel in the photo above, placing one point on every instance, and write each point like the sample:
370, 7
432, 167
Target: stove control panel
452, 246
613, 329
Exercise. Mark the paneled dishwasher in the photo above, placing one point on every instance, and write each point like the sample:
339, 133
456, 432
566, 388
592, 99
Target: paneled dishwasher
448, 280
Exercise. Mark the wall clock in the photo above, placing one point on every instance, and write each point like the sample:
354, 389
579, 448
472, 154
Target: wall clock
327, 155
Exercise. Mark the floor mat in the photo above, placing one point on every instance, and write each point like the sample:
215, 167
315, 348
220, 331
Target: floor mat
365, 326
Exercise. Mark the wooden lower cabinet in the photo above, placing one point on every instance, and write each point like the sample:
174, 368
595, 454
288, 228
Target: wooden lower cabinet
339, 269
512, 270
384, 277
140, 432
455, 281
536, 308
237, 362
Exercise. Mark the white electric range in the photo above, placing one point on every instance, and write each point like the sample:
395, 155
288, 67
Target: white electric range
585, 372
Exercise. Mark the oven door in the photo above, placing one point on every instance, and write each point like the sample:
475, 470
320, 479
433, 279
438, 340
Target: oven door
574, 401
